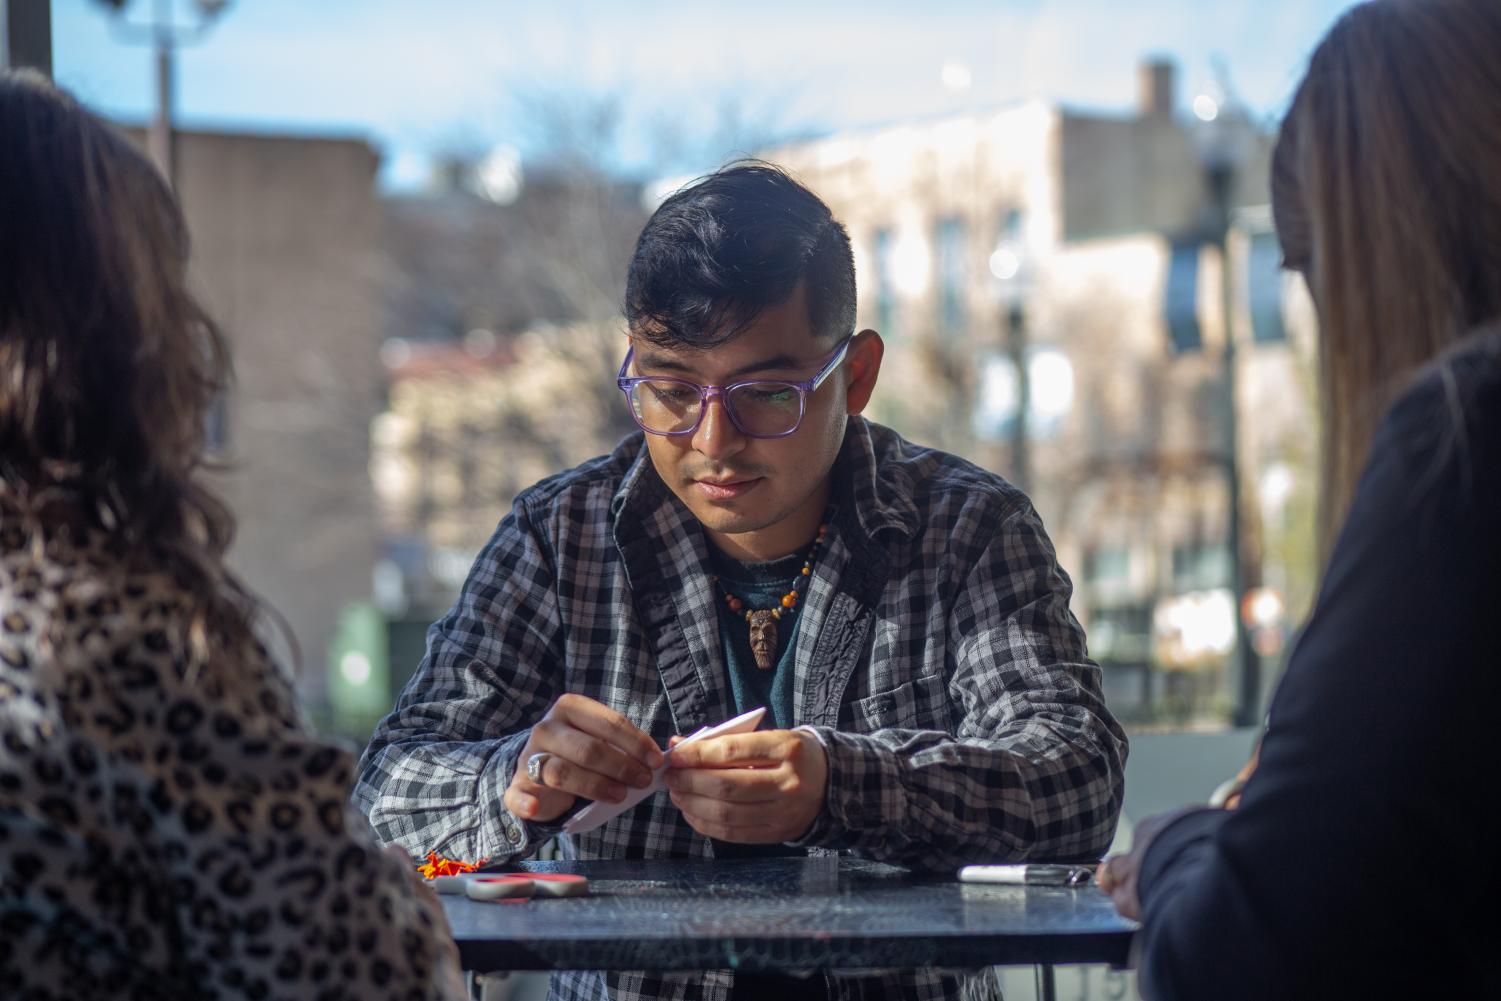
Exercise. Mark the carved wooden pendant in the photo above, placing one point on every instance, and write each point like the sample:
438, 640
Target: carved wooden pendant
763, 638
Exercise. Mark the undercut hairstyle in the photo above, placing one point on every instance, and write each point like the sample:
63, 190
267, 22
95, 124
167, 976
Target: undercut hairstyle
719, 252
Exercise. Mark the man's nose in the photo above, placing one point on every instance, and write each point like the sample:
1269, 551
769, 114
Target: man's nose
716, 436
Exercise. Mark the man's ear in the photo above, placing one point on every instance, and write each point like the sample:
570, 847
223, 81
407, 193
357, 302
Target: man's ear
864, 361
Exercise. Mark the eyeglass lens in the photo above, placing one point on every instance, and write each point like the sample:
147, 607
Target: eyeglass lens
758, 408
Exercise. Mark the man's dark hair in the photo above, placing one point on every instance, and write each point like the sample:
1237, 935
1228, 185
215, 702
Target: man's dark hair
720, 251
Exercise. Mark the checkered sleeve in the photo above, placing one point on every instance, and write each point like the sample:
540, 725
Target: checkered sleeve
437, 766
1034, 769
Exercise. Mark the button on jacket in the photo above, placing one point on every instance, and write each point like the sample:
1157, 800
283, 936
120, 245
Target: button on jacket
936, 660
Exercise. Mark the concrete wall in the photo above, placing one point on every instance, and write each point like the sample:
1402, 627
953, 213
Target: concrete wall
284, 255
1130, 175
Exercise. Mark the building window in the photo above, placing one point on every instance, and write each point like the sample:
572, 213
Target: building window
1181, 304
952, 278
885, 249
1264, 287
1049, 390
1011, 226
1121, 635
1199, 566
216, 426
1006, 259
1107, 566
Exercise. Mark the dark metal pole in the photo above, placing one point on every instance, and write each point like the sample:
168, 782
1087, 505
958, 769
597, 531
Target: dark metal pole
160, 139
1016, 349
1248, 705
1047, 983
26, 35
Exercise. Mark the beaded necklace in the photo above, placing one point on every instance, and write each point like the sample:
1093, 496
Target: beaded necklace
762, 622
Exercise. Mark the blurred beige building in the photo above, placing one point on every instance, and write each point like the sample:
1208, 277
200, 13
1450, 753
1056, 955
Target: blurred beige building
1057, 256
1036, 252
470, 425
502, 338
284, 255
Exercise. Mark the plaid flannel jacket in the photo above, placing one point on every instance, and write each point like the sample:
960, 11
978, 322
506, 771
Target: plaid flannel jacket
937, 661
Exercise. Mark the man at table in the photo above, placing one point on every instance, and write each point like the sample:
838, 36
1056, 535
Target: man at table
898, 611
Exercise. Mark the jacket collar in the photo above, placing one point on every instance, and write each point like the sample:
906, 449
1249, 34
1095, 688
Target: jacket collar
869, 480
665, 557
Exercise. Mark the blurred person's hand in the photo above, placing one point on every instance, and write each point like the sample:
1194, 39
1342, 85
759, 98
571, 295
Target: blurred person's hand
1117, 874
750, 788
590, 751
1228, 794
448, 975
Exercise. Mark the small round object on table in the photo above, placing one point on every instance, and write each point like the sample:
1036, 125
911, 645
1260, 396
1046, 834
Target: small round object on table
559, 884
500, 888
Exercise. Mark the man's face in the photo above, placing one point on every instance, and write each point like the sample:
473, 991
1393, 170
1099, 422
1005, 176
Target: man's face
759, 498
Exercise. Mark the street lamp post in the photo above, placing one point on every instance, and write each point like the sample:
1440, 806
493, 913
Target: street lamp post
165, 35
1011, 269
1224, 137
26, 35
1016, 347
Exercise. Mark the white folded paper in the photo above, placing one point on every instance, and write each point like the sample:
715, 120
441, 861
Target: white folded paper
599, 812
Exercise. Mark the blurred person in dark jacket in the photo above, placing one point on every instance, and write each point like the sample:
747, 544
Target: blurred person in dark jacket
169, 825
1361, 861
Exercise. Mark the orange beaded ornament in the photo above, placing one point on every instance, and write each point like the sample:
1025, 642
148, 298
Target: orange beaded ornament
763, 621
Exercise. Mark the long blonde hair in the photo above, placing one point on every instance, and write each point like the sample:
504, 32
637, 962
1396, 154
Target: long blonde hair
1386, 186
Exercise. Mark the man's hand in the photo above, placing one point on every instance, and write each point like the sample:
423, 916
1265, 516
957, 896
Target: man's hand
1117, 874
595, 752
750, 788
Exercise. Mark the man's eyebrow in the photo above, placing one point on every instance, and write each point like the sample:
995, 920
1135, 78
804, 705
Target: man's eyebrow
776, 363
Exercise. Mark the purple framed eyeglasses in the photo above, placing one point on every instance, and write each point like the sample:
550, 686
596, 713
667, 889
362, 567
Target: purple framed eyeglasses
761, 408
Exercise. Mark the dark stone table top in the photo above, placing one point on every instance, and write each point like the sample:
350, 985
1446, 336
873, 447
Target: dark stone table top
784, 913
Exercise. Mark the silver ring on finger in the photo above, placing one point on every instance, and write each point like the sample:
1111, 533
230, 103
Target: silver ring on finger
534, 766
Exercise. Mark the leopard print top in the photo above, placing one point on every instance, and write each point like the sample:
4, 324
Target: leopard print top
167, 829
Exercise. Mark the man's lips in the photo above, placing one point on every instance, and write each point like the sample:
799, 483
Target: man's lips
726, 489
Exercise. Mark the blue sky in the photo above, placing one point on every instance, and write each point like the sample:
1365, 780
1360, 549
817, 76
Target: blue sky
415, 76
